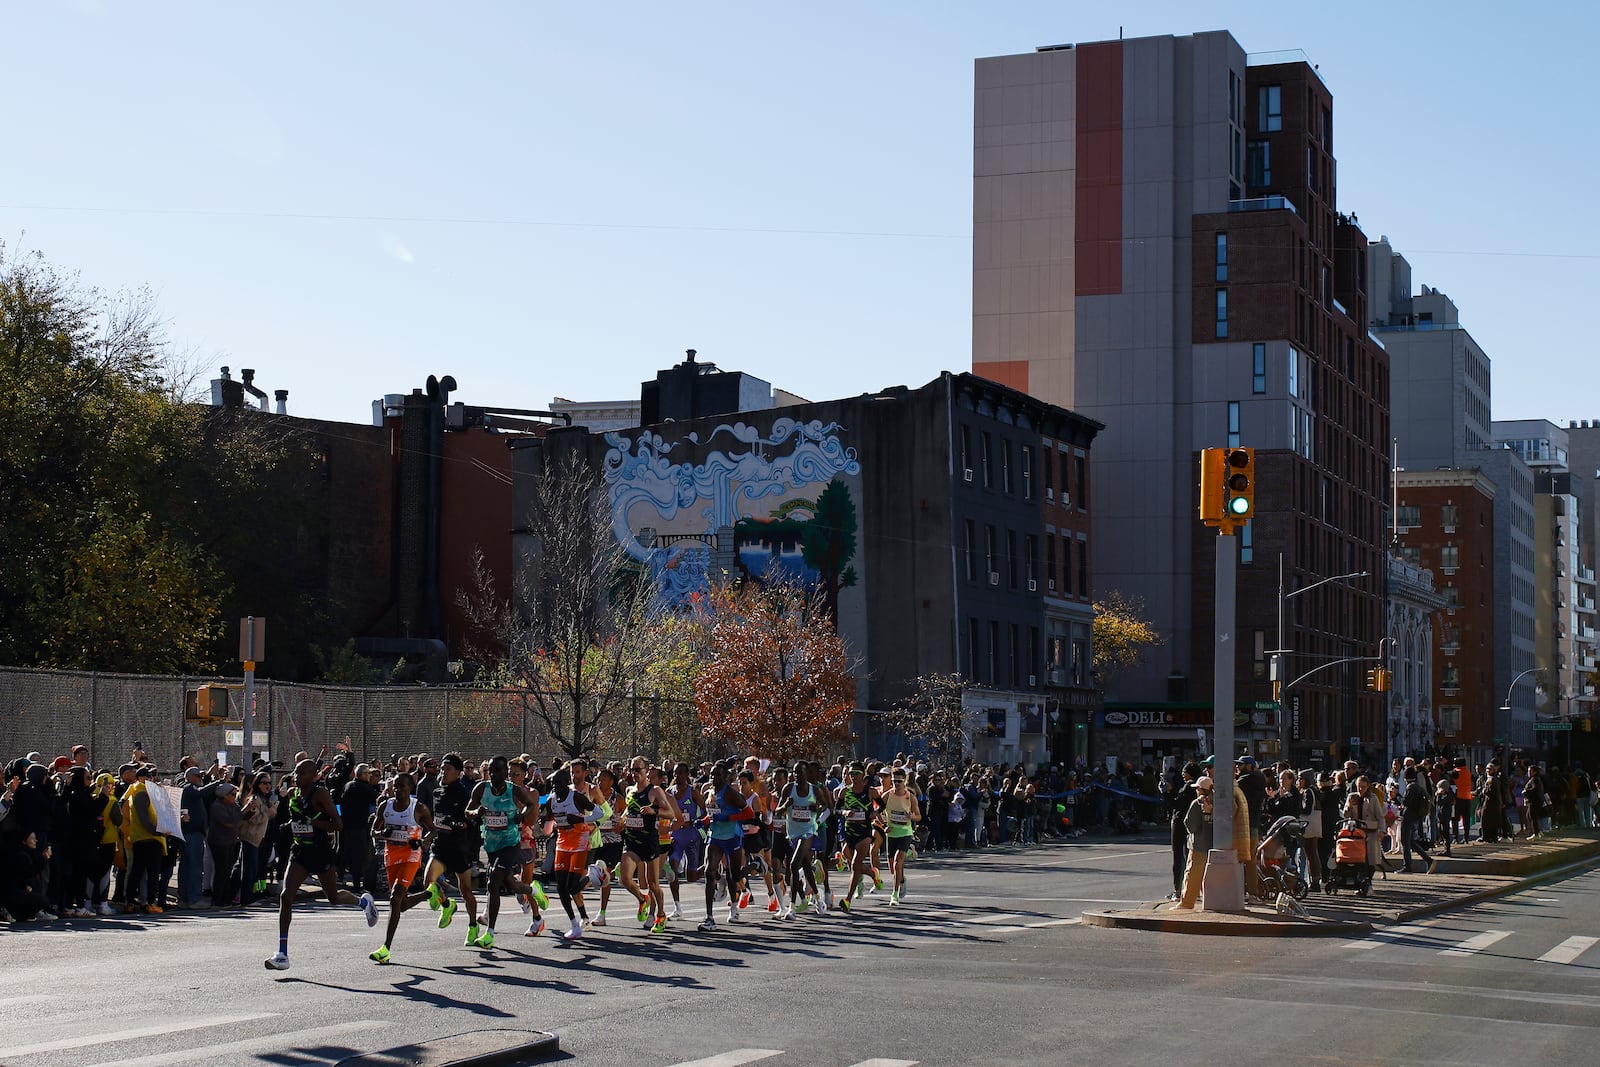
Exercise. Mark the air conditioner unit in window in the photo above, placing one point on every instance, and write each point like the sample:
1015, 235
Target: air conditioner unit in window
1058, 677
1049, 494
1033, 585
1033, 680
1052, 585
994, 577
966, 475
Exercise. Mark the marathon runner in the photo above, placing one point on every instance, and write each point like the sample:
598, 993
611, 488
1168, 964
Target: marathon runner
782, 903
454, 846
502, 806
535, 901
605, 844
312, 822
399, 823
666, 821
688, 846
901, 813
641, 843
855, 803
574, 814
725, 808
802, 809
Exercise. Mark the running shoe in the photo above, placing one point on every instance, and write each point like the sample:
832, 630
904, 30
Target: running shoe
844, 905
786, 913
524, 903
599, 920
435, 897
816, 869
708, 924
279, 962
842, 864
576, 932
447, 912
877, 881
827, 899
660, 926
744, 899
733, 915
472, 938
802, 906
486, 939
772, 905
599, 876
369, 907
676, 912
379, 954
644, 912
540, 897
894, 897
535, 928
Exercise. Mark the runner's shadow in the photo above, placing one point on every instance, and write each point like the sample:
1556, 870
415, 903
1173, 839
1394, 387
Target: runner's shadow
408, 990
486, 969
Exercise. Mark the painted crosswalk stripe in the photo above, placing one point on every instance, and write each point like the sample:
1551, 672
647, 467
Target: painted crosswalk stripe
1569, 950
1384, 936
229, 1050
1477, 944
735, 1058
1010, 918
881, 1062
31, 998
85, 1040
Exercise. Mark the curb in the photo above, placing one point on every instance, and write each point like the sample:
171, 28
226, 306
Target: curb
497, 1048
1292, 928
1222, 928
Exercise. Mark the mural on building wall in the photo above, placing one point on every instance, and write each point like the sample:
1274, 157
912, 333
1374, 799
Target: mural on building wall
762, 504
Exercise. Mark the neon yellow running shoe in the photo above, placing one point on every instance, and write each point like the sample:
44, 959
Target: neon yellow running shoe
380, 954
540, 897
447, 912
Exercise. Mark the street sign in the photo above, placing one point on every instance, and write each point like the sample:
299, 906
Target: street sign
252, 639
235, 738
1552, 726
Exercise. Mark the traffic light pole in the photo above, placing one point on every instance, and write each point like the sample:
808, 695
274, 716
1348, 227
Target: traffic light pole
1223, 885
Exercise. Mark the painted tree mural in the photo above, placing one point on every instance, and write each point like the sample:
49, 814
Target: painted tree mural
829, 542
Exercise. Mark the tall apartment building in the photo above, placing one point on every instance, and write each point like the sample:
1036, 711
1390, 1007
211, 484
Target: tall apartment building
1583, 458
1156, 244
1445, 523
1564, 604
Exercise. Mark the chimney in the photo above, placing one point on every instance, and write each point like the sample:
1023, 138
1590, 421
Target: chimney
248, 377
282, 397
225, 392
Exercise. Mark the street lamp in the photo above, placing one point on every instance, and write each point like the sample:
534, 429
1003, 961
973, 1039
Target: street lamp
1279, 652
1506, 707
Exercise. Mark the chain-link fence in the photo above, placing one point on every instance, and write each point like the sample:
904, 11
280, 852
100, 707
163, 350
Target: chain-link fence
50, 711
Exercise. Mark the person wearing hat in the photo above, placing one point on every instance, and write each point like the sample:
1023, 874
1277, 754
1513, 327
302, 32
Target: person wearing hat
1197, 823
223, 819
109, 843
194, 811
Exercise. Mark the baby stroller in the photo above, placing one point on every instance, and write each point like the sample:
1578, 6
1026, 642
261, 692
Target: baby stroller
1350, 867
1280, 881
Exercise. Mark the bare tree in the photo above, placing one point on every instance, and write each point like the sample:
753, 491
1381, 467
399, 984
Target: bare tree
581, 622
935, 713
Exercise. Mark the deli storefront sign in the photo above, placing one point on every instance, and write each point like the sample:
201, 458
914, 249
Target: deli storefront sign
1182, 718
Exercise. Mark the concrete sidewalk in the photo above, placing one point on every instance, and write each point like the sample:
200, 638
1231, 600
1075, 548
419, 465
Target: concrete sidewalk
1474, 872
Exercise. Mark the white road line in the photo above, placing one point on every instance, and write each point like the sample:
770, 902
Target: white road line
1076, 920
1384, 936
1569, 950
1006, 918
32, 998
85, 1040
733, 1059
881, 1062
228, 1050
1477, 944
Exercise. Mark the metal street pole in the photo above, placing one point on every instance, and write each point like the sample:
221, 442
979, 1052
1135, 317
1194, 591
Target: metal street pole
249, 715
1222, 887
1280, 664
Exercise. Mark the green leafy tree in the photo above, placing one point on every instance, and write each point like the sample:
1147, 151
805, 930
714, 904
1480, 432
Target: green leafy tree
1121, 634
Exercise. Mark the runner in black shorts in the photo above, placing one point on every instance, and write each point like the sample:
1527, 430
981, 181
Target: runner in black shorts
312, 822
641, 844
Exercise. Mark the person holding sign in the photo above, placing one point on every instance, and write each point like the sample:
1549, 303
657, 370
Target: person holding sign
313, 821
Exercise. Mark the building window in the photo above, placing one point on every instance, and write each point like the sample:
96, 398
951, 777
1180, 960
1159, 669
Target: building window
1047, 470
1080, 661
1222, 257
966, 452
1294, 374
1450, 678
1083, 569
1005, 466
973, 657
1450, 718
1449, 558
1269, 108
1449, 515
1259, 164
1033, 655
1015, 654
1412, 555
1410, 515
1031, 543
1222, 313
1258, 368
1027, 472
1080, 474
1452, 598
1066, 566
988, 552
986, 447
1050, 561
972, 550
1233, 424
994, 652
1011, 558
1247, 543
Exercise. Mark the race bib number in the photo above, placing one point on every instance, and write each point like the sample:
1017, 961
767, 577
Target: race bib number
400, 836
495, 820
856, 816
300, 829
633, 822
899, 818
800, 816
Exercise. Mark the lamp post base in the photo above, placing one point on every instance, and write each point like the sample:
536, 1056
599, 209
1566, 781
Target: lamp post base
1222, 887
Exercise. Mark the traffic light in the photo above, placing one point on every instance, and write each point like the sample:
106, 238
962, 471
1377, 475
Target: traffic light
1372, 678
1240, 499
206, 703
1212, 463
1385, 680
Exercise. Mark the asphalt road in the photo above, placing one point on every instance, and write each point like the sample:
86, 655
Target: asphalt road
983, 964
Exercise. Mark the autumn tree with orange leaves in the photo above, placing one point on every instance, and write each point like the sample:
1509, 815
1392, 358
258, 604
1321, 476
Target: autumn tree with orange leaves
776, 679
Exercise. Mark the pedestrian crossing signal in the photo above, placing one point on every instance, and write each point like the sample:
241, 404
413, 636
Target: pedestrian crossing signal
205, 703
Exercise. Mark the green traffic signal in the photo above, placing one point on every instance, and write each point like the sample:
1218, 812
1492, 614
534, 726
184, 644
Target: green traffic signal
1238, 505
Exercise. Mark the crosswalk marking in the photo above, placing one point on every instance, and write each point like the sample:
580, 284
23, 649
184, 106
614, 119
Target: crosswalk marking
1477, 944
995, 918
32, 998
230, 1050
1569, 950
85, 1040
881, 1062
1384, 936
735, 1058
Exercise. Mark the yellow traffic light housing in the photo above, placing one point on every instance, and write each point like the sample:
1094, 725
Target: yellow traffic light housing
1240, 500
1213, 461
1372, 679
206, 703
1385, 680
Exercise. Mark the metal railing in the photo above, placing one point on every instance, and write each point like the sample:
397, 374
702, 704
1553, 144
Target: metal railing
1263, 203
50, 711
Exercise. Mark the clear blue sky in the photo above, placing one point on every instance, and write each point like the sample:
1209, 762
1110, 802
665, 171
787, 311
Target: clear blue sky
785, 187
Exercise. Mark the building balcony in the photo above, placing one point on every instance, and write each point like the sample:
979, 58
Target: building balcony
1586, 605
1586, 575
1449, 650
1263, 203
1416, 327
